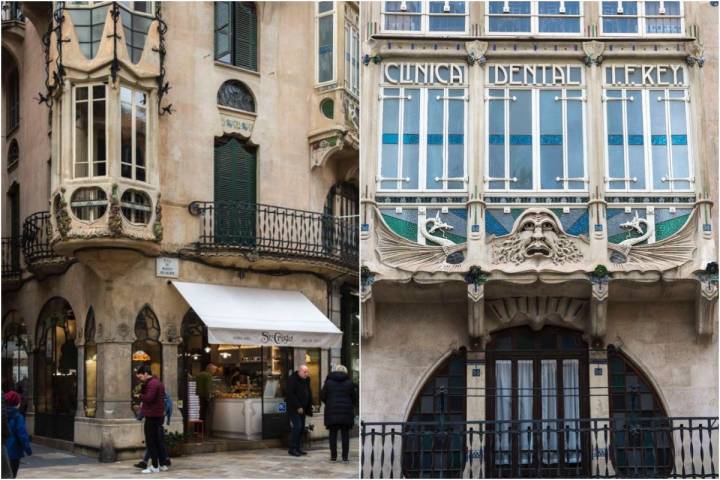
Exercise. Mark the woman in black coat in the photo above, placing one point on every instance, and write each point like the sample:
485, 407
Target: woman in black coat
340, 396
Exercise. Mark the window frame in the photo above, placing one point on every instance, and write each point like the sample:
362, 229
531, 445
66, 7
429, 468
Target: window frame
13, 101
422, 132
536, 155
91, 132
535, 22
92, 205
133, 132
642, 22
318, 17
425, 21
352, 52
647, 144
135, 208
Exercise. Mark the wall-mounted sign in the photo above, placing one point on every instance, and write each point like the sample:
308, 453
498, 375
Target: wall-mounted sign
242, 126
645, 75
167, 267
424, 73
531, 74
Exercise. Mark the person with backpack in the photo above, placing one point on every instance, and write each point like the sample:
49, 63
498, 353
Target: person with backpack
164, 459
17, 441
152, 396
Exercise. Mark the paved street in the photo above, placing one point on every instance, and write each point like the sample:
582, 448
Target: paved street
267, 463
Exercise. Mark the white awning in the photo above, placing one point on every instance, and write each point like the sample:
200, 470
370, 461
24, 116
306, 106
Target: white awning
259, 316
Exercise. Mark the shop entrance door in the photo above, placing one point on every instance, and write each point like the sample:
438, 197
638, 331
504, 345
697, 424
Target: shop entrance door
277, 367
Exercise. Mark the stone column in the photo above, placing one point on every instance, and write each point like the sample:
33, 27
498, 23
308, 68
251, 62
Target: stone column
475, 408
80, 410
600, 408
170, 379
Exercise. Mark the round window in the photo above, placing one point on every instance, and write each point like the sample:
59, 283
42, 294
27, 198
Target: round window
136, 207
327, 107
89, 203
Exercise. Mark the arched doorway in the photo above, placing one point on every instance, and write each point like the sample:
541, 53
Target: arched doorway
15, 362
536, 390
441, 400
146, 349
56, 362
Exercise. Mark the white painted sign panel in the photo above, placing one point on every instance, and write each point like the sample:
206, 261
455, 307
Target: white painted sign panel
167, 267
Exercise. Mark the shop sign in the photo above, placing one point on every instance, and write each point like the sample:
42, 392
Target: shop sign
167, 267
277, 338
531, 74
424, 73
645, 75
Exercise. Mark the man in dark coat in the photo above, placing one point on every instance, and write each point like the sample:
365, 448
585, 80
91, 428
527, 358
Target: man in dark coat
152, 395
340, 396
298, 398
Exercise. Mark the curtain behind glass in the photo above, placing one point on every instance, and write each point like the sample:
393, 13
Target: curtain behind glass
571, 405
525, 397
503, 410
549, 411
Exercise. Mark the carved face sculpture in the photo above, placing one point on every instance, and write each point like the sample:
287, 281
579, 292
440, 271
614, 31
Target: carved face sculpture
539, 233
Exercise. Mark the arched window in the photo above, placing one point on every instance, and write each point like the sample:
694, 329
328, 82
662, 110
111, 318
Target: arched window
146, 349
13, 154
235, 94
56, 371
14, 352
236, 34
441, 400
641, 442
90, 365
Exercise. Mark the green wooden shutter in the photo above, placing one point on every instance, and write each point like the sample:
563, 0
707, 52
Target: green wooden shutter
245, 35
235, 194
223, 28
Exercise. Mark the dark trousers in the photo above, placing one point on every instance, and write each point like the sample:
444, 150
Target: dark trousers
345, 433
15, 466
162, 454
153, 441
298, 426
206, 414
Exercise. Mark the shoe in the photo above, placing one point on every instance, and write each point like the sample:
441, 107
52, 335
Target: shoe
295, 453
168, 463
151, 469
140, 465
163, 468
333, 459
302, 452
345, 460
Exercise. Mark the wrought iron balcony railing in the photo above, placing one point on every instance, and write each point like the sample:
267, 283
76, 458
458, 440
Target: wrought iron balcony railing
277, 231
680, 447
37, 233
10, 258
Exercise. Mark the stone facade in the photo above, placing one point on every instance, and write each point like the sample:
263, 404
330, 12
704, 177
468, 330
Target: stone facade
451, 265
107, 260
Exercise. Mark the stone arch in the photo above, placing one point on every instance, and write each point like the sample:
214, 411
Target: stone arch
235, 94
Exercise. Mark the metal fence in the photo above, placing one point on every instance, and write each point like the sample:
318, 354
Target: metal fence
679, 447
36, 236
10, 257
278, 231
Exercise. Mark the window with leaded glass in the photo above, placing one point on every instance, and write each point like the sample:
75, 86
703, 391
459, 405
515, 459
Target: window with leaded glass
235, 94
136, 24
236, 34
133, 133
89, 22
543, 17
536, 128
425, 17
90, 131
647, 127
642, 18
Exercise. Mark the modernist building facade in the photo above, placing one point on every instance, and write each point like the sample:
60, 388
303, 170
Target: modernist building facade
539, 276
175, 172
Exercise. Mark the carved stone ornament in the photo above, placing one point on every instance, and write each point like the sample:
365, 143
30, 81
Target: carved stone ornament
593, 52
668, 253
157, 226
322, 149
115, 223
695, 54
62, 217
171, 334
476, 52
536, 311
123, 332
99, 332
706, 301
536, 235
404, 254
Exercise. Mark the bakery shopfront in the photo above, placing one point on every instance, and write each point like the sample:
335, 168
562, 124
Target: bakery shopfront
257, 338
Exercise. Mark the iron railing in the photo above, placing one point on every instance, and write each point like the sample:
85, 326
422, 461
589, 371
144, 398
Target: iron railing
12, 12
10, 257
277, 231
37, 233
679, 447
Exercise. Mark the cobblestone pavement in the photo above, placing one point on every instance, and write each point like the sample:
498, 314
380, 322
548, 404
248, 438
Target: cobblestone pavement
266, 463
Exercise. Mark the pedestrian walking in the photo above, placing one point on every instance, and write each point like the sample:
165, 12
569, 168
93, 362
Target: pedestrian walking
152, 396
164, 459
299, 405
17, 441
6, 467
340, 396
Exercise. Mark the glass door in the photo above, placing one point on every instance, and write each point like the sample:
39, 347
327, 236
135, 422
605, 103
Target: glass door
277, 365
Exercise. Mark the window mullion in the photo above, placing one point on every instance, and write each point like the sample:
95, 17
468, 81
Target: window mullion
668, 141
647, 140
625, 139
422, 142
446, 140
565, 140
535, 138
506, 118
91, 131
401, 139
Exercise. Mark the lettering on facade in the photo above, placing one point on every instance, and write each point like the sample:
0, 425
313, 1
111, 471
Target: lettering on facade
524, 74
645, 75
237, 125
276, 338
167, 267
424, 73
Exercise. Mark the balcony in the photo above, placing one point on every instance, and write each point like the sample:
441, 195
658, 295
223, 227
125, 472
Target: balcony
679, 447
40, 257
11, 270
262, 232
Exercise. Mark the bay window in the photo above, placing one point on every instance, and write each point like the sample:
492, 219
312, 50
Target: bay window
90, 132
536, 138
133, 127
423, 141
325, 44
642, 18
425, 17
352, 58
557, 17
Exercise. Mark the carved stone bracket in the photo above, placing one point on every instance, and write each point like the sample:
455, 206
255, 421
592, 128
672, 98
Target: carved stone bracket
695, 54
598, 310
322, 148
367, 310
593, 52
476, 311
536, 311
476, 52
706, 301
